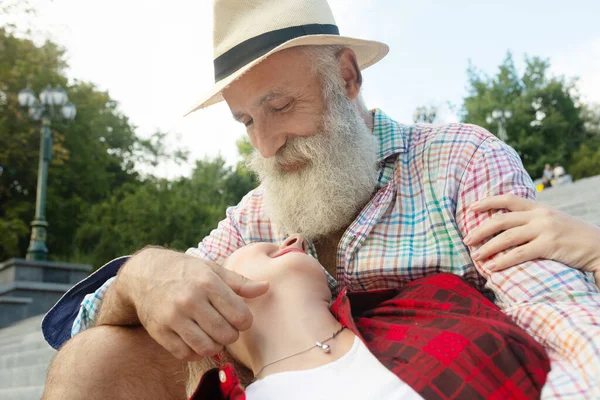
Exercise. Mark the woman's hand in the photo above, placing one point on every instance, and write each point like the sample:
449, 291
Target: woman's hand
531, 231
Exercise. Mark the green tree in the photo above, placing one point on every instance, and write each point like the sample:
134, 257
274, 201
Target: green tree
546, 125
175, 214
93, 155
586, 160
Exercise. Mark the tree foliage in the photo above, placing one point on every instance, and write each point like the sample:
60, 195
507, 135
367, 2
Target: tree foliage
93, 155
548, 123
98, 205
175, 214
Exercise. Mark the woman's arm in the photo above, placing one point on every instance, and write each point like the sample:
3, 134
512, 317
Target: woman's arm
531, 231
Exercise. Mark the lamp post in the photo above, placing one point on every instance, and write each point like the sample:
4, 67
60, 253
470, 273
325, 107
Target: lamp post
500, 116
52, 104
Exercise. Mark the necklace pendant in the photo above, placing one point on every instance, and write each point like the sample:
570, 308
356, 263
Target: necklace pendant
325, 347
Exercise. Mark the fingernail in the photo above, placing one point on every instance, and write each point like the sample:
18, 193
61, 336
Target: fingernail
491, 265
467, 239
475, 256
474, 205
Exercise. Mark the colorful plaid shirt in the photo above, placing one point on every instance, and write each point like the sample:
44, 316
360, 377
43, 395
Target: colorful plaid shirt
414, 227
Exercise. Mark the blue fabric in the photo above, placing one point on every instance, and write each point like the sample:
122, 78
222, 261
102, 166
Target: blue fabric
58, 322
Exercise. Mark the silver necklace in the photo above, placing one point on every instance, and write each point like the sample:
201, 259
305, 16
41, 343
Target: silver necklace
322, 345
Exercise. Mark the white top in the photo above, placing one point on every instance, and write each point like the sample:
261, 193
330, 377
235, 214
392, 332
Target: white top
558, 171
356, 375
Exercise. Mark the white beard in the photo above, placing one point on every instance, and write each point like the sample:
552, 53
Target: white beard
338, 180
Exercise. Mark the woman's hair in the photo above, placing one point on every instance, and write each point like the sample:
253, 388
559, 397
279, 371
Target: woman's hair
199, 368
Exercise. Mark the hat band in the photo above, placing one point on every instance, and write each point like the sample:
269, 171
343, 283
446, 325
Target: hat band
251, 49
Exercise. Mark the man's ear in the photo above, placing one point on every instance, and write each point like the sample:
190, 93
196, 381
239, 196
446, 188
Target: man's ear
350, 72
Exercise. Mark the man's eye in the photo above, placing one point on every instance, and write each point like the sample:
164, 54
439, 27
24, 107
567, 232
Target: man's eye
248, 123
282, 108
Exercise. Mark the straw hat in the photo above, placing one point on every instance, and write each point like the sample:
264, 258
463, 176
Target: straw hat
248, 31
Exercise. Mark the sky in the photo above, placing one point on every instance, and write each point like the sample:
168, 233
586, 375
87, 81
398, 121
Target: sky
155, 57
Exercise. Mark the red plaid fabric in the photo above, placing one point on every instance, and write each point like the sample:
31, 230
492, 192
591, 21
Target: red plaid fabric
439, 335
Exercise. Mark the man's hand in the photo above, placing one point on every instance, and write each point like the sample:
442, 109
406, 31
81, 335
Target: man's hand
191, 307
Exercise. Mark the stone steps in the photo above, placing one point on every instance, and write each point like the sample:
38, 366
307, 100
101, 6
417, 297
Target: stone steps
27, 357
24, 360
42, 295
14, 308
24, 376
22, 393
29, 288
580, 199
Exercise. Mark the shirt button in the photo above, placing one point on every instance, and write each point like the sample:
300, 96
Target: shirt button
222, 376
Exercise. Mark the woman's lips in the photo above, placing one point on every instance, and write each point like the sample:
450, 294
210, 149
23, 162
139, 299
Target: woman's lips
288, 250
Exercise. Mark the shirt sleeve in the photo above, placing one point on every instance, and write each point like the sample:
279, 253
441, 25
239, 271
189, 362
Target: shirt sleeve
89, 308
557, 305
77, 308
224, 240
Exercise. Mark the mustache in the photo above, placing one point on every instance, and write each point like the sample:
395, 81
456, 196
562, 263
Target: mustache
297, 150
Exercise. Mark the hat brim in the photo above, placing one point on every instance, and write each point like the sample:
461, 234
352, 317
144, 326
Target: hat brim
368, 52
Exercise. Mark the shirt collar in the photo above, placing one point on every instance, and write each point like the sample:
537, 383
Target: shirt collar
390, 135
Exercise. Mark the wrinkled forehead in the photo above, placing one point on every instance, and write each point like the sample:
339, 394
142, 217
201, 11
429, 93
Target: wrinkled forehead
290, 69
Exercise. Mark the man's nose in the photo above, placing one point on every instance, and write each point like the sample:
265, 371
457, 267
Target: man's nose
267, 144
297, 241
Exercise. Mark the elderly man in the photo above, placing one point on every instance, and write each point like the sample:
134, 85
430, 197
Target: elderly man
381, 203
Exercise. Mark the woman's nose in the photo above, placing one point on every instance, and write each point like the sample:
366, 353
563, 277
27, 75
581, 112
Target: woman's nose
296, 241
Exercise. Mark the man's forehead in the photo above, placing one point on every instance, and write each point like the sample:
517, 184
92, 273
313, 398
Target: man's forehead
275, 76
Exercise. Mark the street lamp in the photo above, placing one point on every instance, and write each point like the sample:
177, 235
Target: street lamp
53, 104
500, 116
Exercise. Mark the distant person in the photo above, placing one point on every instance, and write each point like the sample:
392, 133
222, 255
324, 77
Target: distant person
548, 172
548, 176
558, 171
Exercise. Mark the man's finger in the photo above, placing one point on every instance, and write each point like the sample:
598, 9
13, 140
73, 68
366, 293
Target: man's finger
196, 339
505, 201
222, 297
216, 325
241, 285
171, 342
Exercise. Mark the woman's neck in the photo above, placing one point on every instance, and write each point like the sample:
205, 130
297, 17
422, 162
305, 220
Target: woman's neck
287, 321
